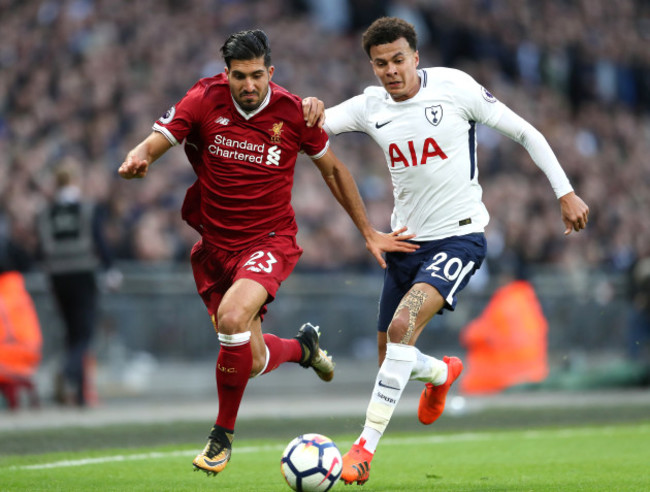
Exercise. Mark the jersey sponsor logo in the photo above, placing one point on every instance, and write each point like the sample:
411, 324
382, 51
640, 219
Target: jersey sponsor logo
487, 96
222, 121
273, 156
240, 150
433, 114
168, 116
380, 125
244, 150
276, 130
430, 149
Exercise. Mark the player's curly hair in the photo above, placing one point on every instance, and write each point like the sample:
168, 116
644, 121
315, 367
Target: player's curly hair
387, 30
247, 45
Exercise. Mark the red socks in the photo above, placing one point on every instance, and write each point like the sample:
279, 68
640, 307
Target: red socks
234, 365
281, 350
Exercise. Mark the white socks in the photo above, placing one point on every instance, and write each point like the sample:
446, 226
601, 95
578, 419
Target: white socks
429, 369
391, 380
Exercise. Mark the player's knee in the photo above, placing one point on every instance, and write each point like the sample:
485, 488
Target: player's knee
398, 328
232, 321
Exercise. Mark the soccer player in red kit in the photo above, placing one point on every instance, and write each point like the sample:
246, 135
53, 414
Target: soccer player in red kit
242, 134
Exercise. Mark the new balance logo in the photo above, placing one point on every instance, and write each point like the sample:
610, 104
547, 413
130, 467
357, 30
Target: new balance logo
222, 121
273, 157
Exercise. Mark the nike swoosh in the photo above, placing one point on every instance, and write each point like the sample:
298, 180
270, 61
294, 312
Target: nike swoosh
378, 125
214, 463
440, 277
335, 462
386, 386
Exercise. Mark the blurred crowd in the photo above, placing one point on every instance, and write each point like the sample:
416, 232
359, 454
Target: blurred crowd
82, 81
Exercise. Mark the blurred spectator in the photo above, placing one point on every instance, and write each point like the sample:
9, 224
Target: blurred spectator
74, 248
20, 339
77, 81
20, 331
638, 334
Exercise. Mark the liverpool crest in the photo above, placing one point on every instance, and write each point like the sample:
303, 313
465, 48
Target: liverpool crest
276, 132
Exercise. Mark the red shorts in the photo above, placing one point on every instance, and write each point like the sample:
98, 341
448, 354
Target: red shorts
268, 262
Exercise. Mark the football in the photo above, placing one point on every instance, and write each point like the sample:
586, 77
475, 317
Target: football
311, 463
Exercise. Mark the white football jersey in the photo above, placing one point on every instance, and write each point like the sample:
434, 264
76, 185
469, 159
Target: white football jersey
429, 142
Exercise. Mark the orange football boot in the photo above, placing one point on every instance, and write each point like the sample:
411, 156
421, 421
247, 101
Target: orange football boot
432, 399
356, 464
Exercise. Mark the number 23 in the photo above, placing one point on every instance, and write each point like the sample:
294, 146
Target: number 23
256, 266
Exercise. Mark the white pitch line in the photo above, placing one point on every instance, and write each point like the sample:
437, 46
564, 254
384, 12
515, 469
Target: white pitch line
463, 437
132, 457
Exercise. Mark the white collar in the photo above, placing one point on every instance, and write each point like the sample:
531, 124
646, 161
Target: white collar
249, 114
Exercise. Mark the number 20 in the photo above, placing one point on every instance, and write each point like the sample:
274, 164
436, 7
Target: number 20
452, 268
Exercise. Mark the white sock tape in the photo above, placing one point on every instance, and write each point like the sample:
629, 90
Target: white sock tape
378, 415
234, 339
399, 351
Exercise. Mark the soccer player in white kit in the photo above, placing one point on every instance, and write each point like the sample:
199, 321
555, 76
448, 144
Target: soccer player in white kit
425, 122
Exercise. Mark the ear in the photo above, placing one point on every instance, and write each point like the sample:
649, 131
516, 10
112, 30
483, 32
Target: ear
271, 70
416, 55
374, 69
225, 69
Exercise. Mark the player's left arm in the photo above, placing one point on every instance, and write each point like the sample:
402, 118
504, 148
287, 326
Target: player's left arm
574, 211
345, 190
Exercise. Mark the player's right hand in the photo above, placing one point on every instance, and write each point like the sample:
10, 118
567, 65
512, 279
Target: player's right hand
133, 167
383, 242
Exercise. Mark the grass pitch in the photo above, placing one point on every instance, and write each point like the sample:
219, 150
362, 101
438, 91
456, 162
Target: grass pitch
572, 458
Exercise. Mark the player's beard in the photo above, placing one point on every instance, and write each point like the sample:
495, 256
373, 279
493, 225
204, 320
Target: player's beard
250, 105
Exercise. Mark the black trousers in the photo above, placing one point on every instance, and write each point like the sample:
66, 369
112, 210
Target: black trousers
76, 295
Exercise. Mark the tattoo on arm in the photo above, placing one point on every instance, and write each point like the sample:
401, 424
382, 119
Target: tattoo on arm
412, 302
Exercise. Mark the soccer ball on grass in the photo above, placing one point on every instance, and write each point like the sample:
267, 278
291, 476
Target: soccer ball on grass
311, 463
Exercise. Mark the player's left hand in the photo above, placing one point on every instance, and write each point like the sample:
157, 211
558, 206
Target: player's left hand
382, 242
575, 212
313, 110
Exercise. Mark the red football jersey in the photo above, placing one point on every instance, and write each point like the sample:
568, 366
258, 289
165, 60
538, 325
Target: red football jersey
244, 167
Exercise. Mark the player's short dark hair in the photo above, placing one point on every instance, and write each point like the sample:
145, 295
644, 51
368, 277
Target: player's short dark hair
247, 45
387, 30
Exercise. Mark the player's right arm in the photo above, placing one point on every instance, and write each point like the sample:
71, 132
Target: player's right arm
142, 155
